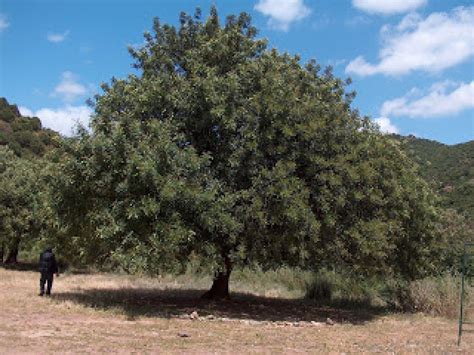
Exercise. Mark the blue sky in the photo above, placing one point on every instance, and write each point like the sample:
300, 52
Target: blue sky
411, 61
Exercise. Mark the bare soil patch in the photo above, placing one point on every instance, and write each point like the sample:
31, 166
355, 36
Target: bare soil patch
121, 314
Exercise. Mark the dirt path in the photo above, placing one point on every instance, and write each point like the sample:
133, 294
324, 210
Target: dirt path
106, 313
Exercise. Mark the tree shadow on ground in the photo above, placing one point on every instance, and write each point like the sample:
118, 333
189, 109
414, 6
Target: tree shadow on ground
20, 266
34, 266
176, 303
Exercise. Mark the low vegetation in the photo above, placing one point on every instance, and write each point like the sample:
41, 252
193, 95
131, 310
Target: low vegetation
439, 296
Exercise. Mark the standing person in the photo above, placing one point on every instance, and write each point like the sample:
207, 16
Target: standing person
47, 267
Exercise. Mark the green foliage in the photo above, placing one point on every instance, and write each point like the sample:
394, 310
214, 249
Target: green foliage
8, 112
454, 230
321, 288
19, 200
134, 199
450, 168
28, 141
347, 288
24, 135
4, 139
225, 148
26, 124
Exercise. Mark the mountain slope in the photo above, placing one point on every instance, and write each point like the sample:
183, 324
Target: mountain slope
450, 168
24, 135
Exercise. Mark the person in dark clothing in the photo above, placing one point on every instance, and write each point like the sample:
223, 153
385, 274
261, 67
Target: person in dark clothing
47, 267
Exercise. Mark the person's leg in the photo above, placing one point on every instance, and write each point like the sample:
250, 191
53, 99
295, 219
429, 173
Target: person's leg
42, 282
50, 284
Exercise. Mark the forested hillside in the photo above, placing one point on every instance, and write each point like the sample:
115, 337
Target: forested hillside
24, 135
449, 167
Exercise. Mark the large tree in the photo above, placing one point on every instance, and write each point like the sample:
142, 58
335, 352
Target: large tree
264, 159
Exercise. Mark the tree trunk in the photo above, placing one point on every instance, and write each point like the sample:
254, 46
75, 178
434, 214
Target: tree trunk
12, 256
220, 285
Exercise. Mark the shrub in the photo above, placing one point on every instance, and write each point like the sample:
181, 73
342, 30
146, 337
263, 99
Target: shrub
321, 288
26, 124
348, 289
6, 114
437, 295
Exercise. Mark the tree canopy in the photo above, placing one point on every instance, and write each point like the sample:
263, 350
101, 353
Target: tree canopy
227, 149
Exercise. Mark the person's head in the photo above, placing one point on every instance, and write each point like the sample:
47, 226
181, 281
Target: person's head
49, 249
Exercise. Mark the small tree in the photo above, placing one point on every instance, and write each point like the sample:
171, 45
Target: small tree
281, 169
19, 205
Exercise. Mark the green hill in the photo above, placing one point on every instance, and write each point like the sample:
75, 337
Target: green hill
449, 167
24, 135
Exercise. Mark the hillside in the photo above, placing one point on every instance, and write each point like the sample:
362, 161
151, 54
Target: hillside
24, 135
449, 167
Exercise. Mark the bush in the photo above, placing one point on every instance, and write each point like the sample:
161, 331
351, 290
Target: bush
348, 289
6, 114
26, 124
321, 287
437, 295
4, 139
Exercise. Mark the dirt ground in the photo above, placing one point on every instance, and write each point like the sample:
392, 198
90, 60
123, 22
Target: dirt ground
108, 313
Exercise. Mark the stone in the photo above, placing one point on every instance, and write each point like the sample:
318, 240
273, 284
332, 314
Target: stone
194, 315
329, 321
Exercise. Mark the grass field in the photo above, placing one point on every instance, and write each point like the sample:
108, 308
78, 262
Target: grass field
90, 313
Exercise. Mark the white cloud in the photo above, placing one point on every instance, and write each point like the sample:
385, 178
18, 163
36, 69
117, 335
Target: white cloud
62, 120
3, 22
440, 41
437, 102
69, 88
283, 12
57, 37
25, 111
388, 7
385, 125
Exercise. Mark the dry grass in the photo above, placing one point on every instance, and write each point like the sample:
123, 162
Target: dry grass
112, 313
440, 296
